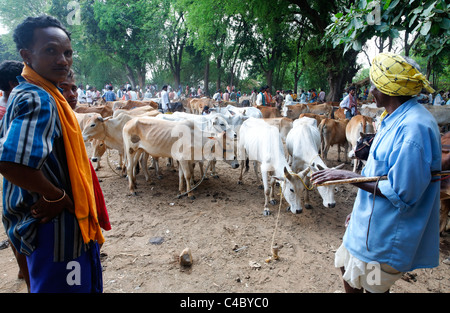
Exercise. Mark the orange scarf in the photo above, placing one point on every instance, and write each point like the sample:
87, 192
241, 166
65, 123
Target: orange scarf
77, 160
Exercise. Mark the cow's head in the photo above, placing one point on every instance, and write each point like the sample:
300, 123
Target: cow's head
362, 148
326, 192
94, 127
292, 186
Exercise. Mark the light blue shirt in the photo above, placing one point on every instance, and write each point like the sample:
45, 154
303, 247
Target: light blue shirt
401, 230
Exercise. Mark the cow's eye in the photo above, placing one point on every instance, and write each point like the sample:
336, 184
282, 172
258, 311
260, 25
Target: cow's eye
292, 190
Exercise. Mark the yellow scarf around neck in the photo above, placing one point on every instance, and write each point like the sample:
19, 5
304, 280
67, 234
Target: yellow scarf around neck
77, 160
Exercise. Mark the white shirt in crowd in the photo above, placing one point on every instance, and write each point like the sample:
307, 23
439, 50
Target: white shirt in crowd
165, 100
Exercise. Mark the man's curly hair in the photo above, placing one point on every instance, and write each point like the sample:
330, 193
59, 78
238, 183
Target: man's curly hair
23, 34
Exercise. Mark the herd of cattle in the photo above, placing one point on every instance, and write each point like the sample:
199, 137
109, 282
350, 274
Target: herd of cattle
285, 146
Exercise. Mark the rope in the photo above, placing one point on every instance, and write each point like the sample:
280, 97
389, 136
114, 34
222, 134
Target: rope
275, 253
196, 185
304, 184
109, 163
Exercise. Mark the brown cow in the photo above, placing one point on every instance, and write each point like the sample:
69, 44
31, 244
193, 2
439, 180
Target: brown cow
197, 105
445, 183
339, 114
321, 109
333, 132
104, 110
294, 111
130, 104
269, 112
317, 117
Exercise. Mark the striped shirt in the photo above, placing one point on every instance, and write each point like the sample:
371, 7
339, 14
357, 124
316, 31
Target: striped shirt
31, 135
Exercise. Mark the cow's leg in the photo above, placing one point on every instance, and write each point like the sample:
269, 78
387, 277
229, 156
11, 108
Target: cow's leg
273, 201
144, 165
181, 180
258, 181
242, 163
123, 163
130, 173
265, 180
213, 169
187, 168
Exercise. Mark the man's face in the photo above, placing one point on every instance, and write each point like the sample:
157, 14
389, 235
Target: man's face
50, 54
377, 95
69, 91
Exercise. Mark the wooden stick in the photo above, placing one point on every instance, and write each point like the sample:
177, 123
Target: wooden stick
367, 179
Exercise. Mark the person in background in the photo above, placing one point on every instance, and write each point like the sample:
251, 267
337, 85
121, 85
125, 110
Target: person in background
70, 93
165, 101
9, 70
439, 99
205, 110
279, 100
349, 103
49, 210
322, 96
260, 98
109, 94
394, 225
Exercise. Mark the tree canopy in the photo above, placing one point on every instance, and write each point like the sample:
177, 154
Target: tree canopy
285, 44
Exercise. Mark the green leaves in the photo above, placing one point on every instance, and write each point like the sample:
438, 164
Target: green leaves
431, 19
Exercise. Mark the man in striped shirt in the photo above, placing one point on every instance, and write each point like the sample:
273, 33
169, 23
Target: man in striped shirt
38, 201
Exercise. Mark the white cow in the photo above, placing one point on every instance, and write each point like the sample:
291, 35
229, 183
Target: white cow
262, 142
303, 145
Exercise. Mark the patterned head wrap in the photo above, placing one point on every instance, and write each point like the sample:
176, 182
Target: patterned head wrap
394, 76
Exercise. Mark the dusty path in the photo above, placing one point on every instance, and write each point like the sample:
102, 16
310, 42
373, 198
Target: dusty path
229, 238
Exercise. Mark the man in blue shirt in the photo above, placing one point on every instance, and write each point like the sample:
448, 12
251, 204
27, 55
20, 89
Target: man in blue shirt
394, 225
109, 95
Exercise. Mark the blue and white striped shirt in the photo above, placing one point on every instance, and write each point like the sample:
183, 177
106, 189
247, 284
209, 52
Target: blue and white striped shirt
31, 135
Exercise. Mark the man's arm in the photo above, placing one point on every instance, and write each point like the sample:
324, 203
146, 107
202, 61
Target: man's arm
53, 199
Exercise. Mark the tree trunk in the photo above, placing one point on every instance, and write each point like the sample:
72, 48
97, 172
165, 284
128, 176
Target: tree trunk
206, 77
219, 65
130, 76
338, 78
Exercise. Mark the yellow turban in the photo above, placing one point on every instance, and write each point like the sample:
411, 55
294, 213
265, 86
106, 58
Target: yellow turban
394, 76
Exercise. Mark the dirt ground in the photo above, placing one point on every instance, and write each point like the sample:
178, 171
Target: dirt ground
228, 236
